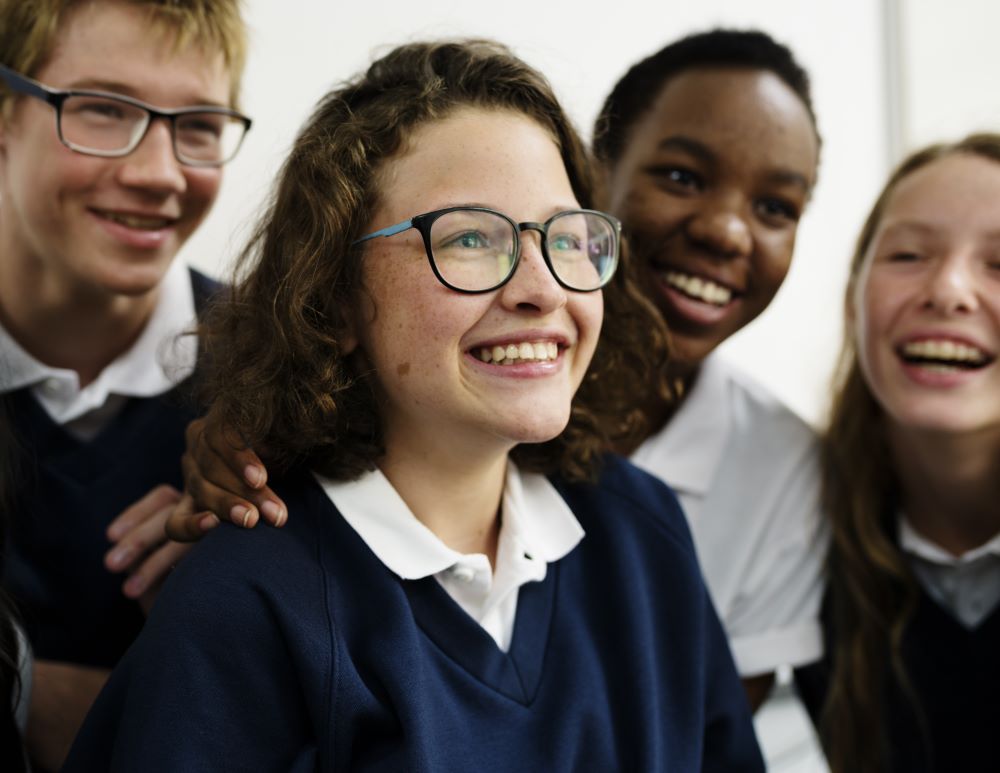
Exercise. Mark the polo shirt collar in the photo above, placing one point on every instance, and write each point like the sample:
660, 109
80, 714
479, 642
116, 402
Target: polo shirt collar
158, 360
533, 514
688, 450
916, 544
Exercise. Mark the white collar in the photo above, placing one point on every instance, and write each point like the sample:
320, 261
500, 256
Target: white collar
532, 511
154, 364
686, 452
913, 542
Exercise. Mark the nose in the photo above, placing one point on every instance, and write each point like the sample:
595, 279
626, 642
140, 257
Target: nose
153, 165
951, 287
533, 288
722, 228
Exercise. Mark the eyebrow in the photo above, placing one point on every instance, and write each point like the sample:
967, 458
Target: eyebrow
116, 87
705, 154
928, 229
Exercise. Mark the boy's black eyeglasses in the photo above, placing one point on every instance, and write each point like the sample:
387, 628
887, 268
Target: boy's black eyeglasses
99, 123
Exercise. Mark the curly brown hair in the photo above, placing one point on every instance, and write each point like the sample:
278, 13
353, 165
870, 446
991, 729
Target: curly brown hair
280, 373
873, 592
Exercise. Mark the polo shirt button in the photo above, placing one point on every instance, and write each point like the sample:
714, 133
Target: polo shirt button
463, 573
52, 386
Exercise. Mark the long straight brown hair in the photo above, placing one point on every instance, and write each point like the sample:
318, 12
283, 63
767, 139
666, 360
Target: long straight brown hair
873, 592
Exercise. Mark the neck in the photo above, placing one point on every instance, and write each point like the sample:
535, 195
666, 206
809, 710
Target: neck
456, 495
682, 377
950, 485
81, 329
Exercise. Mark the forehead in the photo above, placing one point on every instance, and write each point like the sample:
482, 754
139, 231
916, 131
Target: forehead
119, 46
961, 188
493, 158
746, 112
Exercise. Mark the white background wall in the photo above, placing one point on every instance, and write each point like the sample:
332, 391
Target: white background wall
302, 47
950, 69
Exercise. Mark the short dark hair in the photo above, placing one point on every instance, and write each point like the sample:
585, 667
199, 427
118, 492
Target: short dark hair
280, 373
634, 94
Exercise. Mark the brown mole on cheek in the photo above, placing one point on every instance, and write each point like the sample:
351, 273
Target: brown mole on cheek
403, 369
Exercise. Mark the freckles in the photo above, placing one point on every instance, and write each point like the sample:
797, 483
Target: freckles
403, 369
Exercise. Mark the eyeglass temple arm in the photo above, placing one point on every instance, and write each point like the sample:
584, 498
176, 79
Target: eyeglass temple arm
23, 85
390, 230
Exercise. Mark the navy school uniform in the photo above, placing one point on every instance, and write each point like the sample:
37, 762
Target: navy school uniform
67, 493
297, 649
955, 675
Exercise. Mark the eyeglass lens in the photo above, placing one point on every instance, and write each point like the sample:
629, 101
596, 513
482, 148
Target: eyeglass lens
475, 250
104, 125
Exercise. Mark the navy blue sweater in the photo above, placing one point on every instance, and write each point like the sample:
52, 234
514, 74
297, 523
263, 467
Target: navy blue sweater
955, 674
297, 649
68, 492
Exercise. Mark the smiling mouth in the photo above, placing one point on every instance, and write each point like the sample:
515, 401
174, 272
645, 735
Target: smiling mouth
139, 222
698, 288
944, 356
512, 354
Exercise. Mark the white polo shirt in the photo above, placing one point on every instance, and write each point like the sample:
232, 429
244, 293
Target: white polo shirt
745, 469
159, 360
537, 527
968, 586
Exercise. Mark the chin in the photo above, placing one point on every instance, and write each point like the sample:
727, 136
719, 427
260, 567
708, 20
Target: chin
954, 420
132, 281
538, 431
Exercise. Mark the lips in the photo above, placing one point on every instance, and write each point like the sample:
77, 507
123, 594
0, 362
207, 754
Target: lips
698, 288
945, 354
142, 222
511, 354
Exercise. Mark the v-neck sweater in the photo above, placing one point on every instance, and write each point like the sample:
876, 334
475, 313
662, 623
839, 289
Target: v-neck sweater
954, 672
68, 492
297, 649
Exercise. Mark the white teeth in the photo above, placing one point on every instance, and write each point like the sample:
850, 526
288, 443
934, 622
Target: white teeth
944, 350
699, 288
133, 221
528, 351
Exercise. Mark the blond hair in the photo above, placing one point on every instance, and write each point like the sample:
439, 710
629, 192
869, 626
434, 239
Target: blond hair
29, 28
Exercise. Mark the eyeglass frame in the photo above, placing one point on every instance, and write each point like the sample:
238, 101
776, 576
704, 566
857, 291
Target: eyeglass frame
22, 84
425, 221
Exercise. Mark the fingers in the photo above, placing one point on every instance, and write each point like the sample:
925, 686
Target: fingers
155, 501
216, 472
216, 445
143, 536
188, 524
145, 582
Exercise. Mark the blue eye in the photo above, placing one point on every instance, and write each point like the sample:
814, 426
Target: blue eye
468, 240
564, 243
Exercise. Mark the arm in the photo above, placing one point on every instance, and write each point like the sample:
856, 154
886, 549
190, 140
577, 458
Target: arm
730, 742
224, 477
758, 688
210, 684
61, 696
